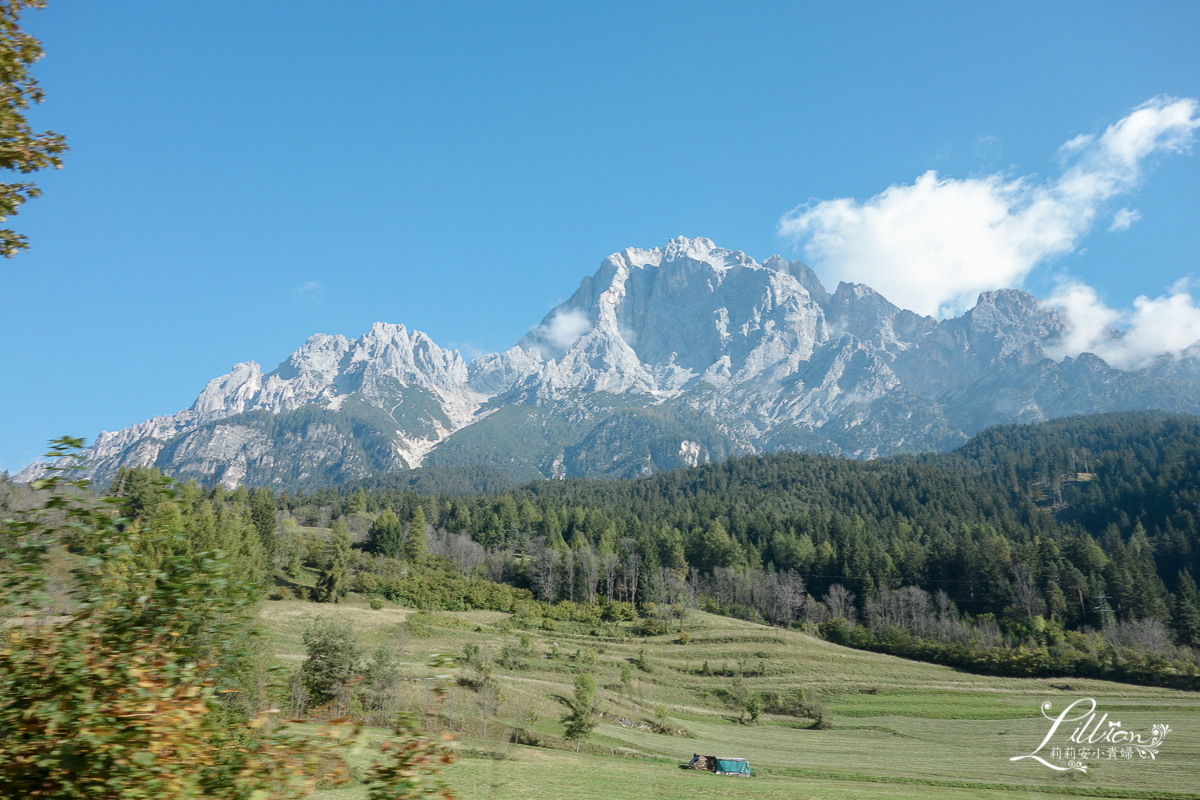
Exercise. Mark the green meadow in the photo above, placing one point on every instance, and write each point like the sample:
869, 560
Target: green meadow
900, 728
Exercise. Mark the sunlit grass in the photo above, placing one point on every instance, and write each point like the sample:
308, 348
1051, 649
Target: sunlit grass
902, 728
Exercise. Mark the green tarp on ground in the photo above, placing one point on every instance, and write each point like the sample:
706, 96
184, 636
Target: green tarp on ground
732, 766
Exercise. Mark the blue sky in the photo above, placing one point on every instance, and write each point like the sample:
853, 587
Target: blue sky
243, 175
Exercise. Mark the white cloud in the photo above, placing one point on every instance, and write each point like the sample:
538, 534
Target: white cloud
1129, 339
308, 293
1091, 322
933, 245
1123, 219
561, 331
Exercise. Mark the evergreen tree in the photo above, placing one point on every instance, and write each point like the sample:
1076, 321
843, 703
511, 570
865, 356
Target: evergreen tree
381, 677
551, 528
262, 513
414, 545
335, 578
582, 719
673, 553
333, 658
717, 549
491, 531
1185, 616
460, 518
141, 489
386, 537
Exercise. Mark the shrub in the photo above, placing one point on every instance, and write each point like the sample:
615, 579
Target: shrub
417, 626
654, 627
586, 614
377, 603
617, 611
754, 706
365, 583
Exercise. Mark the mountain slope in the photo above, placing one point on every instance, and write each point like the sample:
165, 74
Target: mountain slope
662, 358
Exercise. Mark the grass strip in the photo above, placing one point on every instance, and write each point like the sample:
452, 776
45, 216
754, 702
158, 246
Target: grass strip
1079, 791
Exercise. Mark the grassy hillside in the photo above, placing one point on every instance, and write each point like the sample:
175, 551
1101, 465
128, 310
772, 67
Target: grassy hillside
901, 729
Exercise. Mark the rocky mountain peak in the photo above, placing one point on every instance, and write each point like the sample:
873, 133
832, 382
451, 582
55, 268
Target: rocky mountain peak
660, 355
234, 390
319, 358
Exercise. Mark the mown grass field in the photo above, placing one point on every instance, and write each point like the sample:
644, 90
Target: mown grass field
901, 728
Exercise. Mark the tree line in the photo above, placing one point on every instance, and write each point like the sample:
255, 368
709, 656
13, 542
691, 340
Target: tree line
1034, 536
1076, 525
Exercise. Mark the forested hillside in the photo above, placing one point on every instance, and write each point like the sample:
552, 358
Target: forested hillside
1027, 532
1065, 539
1082, 501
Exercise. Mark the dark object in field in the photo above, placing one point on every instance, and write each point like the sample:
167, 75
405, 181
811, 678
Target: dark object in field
720, 765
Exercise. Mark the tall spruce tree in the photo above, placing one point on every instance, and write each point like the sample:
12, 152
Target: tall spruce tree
414, 545
1185, 612
262, 512
335, 578
333, 658
386, 537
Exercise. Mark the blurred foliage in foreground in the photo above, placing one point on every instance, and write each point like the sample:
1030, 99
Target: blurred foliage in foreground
147, 684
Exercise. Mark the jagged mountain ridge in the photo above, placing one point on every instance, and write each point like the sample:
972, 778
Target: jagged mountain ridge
663, 358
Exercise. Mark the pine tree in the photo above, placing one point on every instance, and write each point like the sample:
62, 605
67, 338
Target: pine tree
386, 537
414, 545
141, 489
262, 512
717, 548
335, 578
334, 657
1185, 611
239, 538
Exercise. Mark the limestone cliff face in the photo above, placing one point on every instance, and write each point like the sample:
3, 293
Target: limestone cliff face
664, 357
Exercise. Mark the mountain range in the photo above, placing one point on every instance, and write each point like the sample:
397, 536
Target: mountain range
663, 358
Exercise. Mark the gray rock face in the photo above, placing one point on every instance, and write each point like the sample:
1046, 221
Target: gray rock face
664, 357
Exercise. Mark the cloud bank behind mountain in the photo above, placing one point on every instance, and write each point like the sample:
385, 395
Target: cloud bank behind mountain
935, 244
